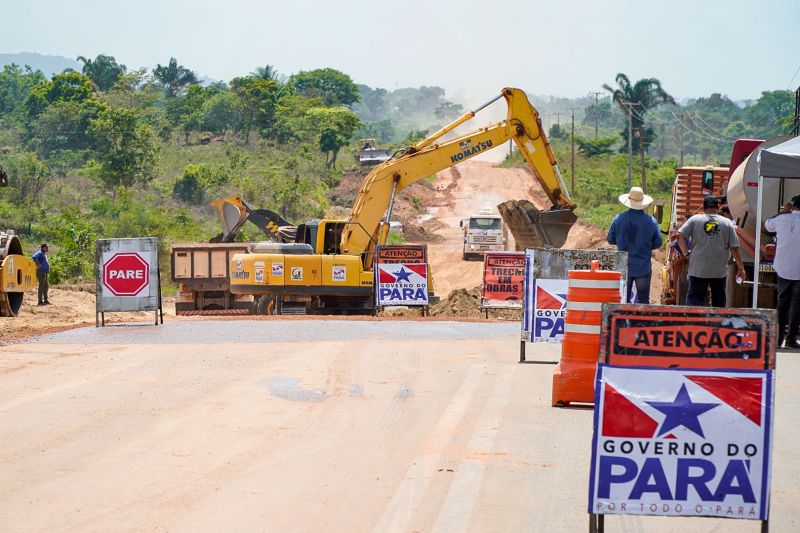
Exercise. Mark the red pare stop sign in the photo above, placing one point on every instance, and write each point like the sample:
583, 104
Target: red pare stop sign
126, 274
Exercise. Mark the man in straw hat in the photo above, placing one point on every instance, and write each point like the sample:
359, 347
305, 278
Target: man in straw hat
637, 233
712, 237
786, 225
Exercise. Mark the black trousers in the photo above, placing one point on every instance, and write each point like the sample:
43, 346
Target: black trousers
696, 294
788, 308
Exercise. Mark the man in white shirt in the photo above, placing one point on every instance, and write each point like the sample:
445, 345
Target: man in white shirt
787, 265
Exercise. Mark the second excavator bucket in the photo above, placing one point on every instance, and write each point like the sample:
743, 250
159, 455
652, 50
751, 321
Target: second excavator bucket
533, 228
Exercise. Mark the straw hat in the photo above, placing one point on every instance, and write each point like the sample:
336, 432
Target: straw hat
636, 199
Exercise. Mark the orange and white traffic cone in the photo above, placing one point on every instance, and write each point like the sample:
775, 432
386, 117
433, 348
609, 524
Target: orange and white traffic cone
573, 378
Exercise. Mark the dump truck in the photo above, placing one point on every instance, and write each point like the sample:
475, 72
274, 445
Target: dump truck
347, 247
202, 270
737, 184
484, 232
370, 155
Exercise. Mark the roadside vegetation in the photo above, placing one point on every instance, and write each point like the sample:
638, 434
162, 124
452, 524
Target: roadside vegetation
112, 152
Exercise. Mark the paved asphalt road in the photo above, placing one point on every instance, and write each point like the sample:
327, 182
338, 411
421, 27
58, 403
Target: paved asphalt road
311, 425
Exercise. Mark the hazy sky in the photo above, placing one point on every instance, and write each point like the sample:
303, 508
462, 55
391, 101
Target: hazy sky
471, 48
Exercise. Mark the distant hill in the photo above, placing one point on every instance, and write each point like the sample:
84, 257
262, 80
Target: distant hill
48, 64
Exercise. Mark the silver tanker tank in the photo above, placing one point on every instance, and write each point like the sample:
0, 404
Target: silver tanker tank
743, 194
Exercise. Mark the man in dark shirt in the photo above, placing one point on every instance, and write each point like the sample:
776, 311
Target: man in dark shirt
42, 272
637, 233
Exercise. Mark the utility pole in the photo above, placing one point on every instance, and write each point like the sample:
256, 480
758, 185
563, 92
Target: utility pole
596, 110
572, 161
628, 107
680, 130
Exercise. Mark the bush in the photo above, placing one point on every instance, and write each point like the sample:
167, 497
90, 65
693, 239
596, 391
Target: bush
196, 180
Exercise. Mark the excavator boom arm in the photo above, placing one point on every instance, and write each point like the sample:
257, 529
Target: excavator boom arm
429, 156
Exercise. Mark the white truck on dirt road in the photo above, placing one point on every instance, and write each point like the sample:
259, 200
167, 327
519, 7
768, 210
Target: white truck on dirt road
484, 232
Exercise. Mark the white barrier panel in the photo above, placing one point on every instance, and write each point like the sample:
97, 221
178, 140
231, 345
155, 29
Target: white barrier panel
682, 442
127, 276
401, 284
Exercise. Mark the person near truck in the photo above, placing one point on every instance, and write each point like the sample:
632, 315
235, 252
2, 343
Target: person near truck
637, 233
42, 272
787, 265
713, 241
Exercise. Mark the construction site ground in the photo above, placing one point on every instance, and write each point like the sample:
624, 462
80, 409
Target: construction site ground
301, 424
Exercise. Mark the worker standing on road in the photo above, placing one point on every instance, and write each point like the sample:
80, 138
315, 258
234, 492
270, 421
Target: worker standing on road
637, 233
712, 237
42, 272
787, 265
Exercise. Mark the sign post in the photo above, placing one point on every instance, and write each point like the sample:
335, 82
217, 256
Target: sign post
128, 277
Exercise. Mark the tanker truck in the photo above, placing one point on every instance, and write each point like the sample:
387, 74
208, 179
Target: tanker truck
737, 183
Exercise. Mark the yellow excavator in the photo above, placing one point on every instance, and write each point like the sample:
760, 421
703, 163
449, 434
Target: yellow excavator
329, 269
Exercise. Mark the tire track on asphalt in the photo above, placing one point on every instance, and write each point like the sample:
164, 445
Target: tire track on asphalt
459, 503
399, 512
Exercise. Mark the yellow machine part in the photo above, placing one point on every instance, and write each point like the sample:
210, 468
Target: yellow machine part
17, 276
313, 274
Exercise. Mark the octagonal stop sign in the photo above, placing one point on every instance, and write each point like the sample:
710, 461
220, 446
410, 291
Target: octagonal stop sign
126, 274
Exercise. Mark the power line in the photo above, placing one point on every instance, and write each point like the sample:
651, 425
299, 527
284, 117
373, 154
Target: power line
788, 85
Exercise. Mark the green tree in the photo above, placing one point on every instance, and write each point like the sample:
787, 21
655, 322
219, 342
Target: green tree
594, 147
772, 114
557, 133
65, 87
257, 98
28, 177
174, 77
601, 112
104, 71
336, 126
126, 150
186, 111
637, 99
448, 111
335, 88
15, 84
222, 112
267, 72
62, 126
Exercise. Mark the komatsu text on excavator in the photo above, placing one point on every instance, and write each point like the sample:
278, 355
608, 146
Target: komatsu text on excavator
298, 277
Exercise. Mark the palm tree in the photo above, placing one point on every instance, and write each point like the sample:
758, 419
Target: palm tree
635, 100
103, 71
267, 72
174, 77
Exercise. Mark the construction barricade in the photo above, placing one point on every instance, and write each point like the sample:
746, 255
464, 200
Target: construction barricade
544, 290
573, 378
683, 421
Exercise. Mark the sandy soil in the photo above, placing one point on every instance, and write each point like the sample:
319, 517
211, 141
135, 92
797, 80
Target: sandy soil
464, 190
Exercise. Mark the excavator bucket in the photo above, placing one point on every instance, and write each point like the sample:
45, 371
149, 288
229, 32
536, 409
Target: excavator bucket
233, 213
533, 228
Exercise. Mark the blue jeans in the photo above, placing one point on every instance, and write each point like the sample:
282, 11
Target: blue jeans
642, 288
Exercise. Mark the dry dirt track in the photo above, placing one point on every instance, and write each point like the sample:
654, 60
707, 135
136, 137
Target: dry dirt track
245, 426
464, 190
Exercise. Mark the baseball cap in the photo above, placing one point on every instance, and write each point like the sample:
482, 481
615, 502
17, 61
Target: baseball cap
710, 201
796, 201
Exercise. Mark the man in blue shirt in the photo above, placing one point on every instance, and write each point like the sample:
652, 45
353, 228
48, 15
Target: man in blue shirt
42, 271
637, 233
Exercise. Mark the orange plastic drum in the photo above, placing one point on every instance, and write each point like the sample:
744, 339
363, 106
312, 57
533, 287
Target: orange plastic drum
573, 378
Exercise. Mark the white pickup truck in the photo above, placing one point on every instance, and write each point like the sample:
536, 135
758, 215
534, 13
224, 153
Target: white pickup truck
483, 233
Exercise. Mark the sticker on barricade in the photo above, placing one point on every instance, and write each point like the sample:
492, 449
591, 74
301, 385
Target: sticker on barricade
682, 442
691, 337
549, 310
401, 284
503, 277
